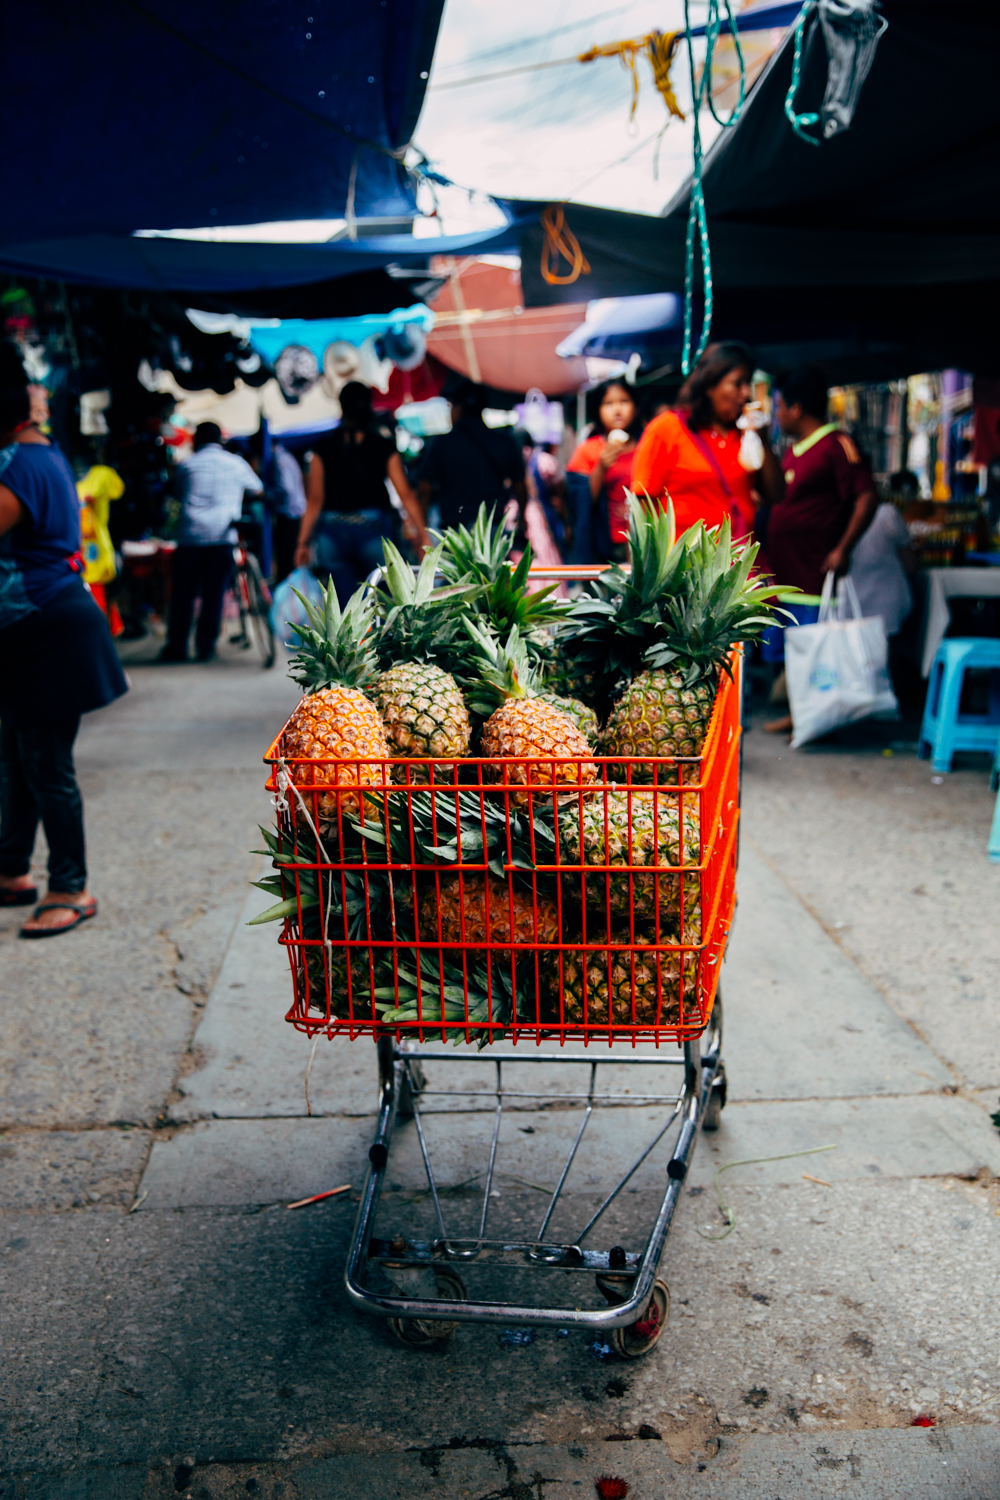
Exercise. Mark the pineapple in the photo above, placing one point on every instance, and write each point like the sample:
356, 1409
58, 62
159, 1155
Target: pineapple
368, 968
335, 722
473, 910
582, 714
605, 831
639, 986
659, 714
424, 711
523, 726
686, 604
424, 714
569, 678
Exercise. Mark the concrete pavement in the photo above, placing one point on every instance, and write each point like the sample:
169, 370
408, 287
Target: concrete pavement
202, 1343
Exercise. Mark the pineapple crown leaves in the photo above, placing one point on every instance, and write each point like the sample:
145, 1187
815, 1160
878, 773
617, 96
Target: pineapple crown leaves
483, 555
336, 648
507, 603
421, 622
719, 603
504, 668
688, 600
433, 989
362, 903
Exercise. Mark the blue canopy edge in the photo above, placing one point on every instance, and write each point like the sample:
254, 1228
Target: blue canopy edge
186, 114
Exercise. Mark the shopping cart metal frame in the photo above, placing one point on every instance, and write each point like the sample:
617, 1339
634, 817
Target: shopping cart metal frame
628, 1279
427, 1299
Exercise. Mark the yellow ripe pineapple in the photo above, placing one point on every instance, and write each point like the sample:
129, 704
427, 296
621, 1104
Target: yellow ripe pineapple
524, 726
635, 835
335, 723
606, 985
475, 910
424, 712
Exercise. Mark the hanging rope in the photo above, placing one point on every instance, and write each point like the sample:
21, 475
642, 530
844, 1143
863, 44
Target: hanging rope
561, 244
799, 122
697, 225
659, 48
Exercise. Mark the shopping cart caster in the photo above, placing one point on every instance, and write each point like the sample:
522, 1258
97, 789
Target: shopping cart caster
716, 1101
636, 1339
428, 1333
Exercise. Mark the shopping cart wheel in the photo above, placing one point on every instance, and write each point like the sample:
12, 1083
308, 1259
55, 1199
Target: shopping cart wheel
638, 1338
716, 1101
426, 1333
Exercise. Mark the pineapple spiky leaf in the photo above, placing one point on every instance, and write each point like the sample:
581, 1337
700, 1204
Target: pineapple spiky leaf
504, 670
687, 602
419, 622
336, 648
482, 554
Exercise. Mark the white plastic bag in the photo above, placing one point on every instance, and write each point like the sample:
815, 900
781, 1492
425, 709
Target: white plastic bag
287, 610
837, 670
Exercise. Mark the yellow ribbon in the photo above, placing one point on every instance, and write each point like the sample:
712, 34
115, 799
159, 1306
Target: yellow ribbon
659, 47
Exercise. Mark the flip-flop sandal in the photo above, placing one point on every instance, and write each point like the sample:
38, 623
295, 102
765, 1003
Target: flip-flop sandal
83, 914
18, 895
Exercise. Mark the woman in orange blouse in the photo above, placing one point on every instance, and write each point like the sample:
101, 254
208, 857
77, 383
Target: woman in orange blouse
693, 455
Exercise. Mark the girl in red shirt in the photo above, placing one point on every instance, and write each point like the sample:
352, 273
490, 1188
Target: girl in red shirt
606, 458
692, 455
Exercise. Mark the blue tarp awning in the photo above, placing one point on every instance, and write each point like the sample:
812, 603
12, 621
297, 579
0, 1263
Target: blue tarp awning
181, 113
192, 266
616, 327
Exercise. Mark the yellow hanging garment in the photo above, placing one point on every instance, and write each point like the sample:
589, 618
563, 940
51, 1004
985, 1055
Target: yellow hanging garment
96, 490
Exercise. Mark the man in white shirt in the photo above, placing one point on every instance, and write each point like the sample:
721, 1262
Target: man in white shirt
212, 484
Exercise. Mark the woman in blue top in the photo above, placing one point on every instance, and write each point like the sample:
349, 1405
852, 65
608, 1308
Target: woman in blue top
57, 661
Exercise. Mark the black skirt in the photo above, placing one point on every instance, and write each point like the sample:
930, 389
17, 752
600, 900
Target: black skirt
59, 661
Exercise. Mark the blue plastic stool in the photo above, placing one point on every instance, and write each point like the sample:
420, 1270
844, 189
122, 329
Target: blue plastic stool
944, 730
993, 845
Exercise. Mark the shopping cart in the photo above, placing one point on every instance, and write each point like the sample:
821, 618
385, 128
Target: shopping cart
459, 902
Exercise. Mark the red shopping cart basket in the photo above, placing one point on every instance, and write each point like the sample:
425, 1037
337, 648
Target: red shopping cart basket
472, 900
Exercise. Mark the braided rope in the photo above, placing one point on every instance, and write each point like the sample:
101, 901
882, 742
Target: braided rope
799, 122
560, 244
701, 94
659, 48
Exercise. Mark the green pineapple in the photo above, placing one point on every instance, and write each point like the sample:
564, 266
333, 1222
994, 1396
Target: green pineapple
659, 714
636, 835
421, 705
601, 986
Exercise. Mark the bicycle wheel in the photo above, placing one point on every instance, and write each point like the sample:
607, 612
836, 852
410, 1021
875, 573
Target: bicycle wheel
261, 630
